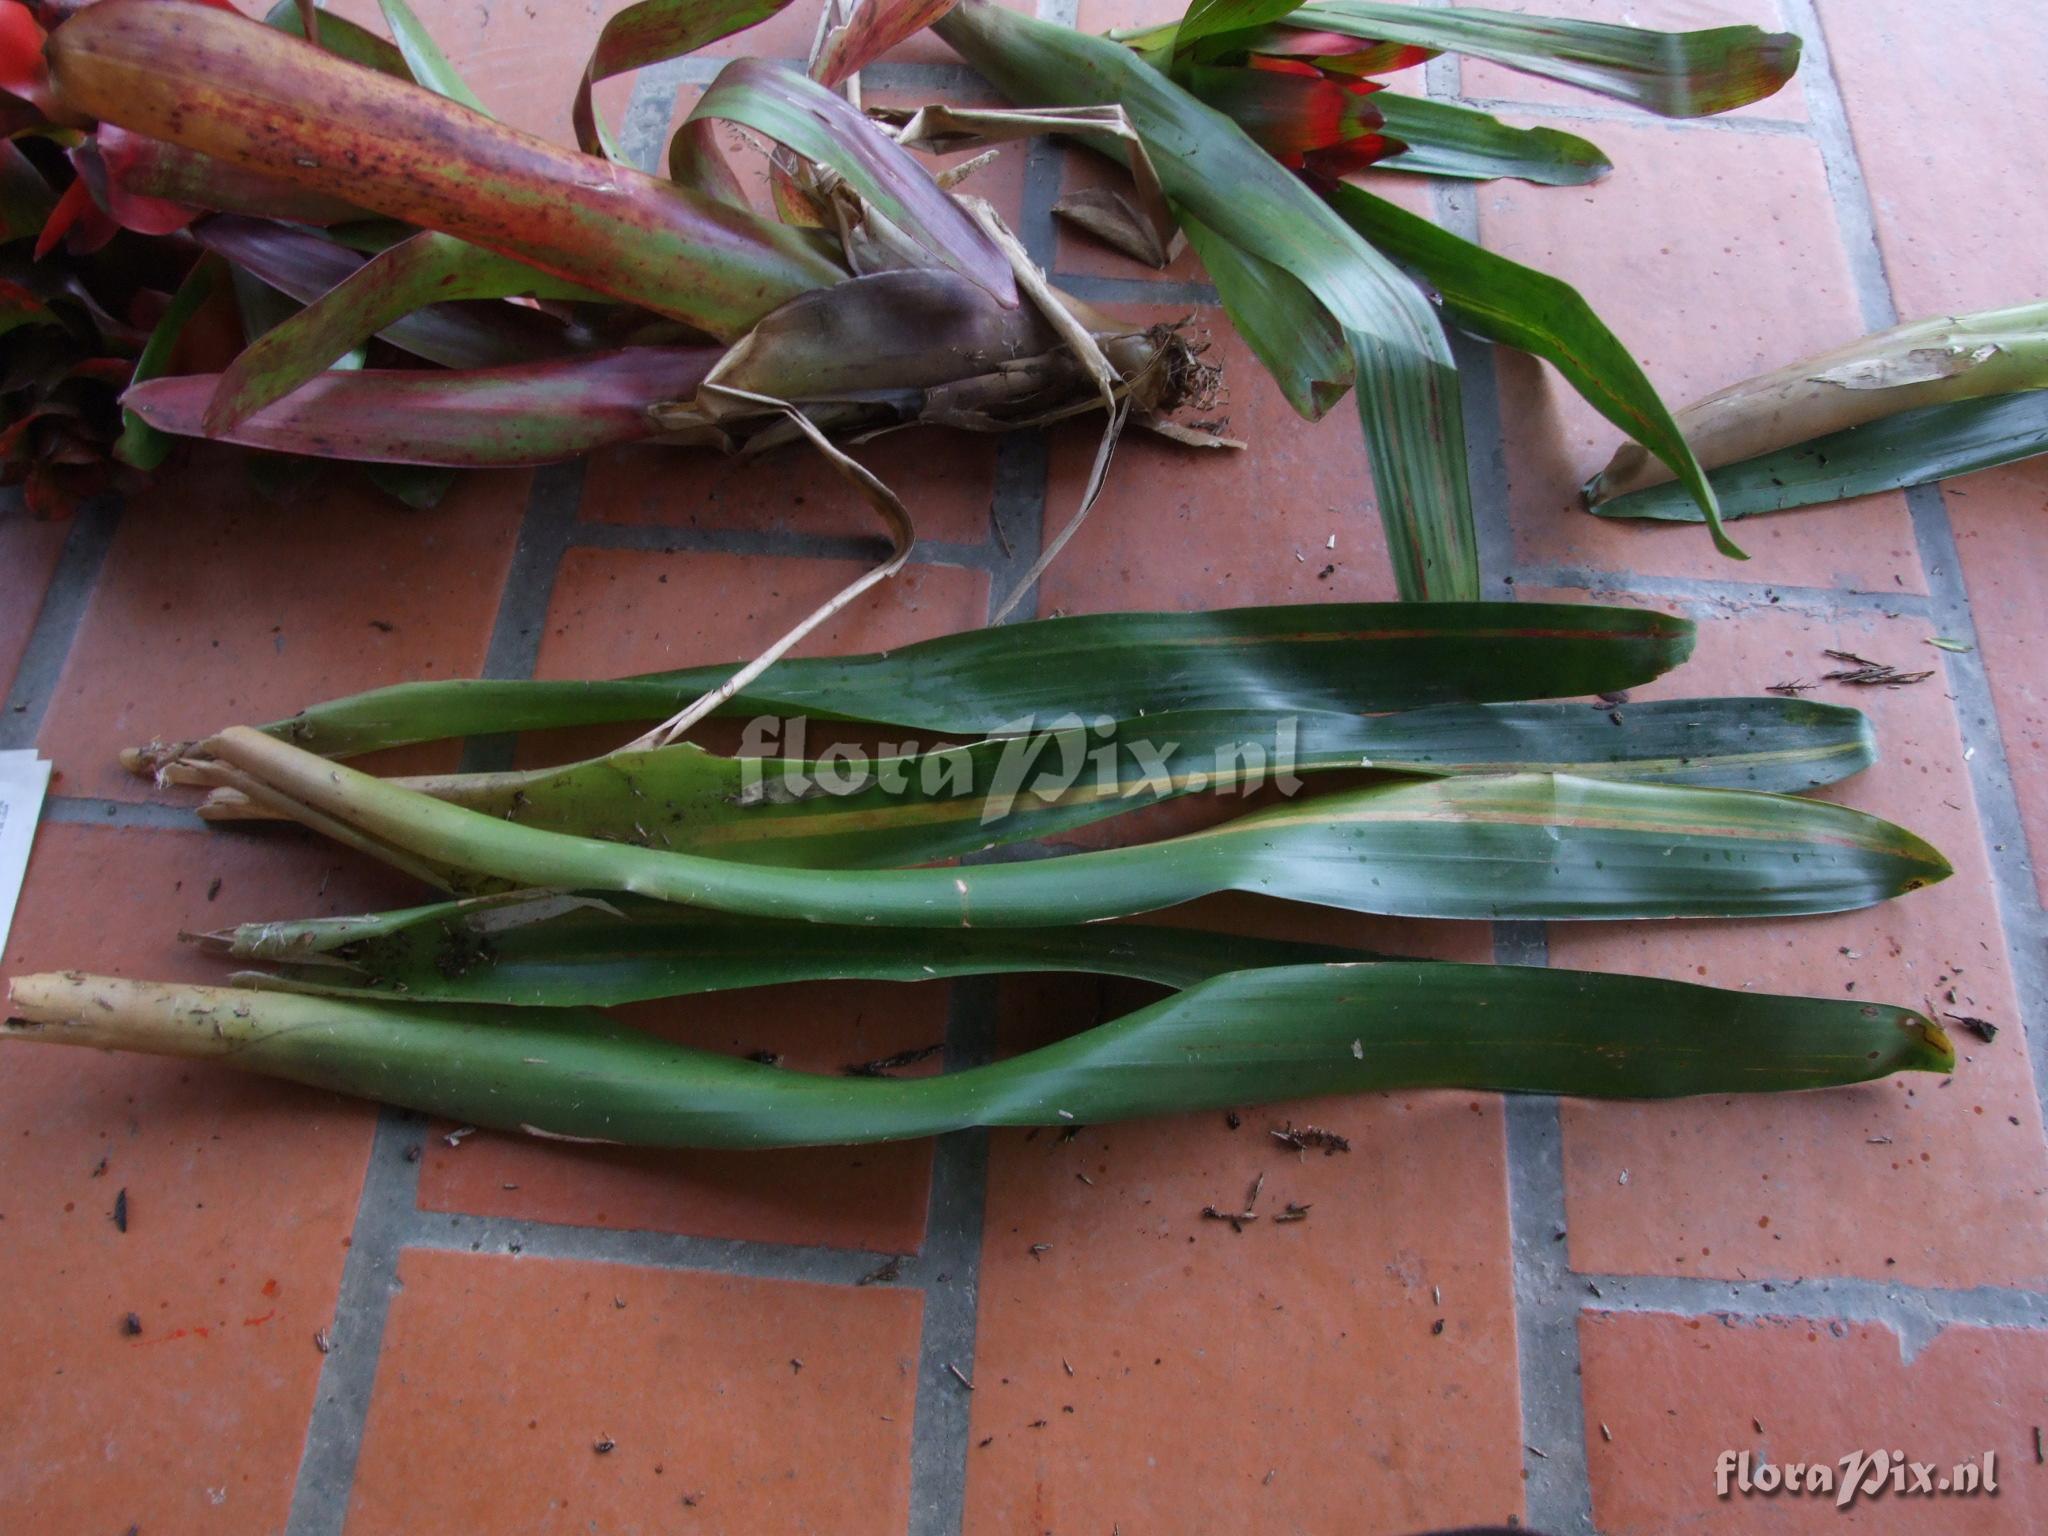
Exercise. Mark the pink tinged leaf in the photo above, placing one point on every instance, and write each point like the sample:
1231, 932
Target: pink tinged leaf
142, 167
78, 221
696, 161
456, 335
132, 211
1337, 51
871, 30
532, 413
825, 129
23, 72
1289, 112
648, 33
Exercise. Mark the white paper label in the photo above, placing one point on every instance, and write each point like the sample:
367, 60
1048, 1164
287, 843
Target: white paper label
23, 780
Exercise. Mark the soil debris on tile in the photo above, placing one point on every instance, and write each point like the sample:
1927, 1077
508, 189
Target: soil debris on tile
884, 1065
1302, 1137
884, 1273
121, 1210
1865, 673
1983, 1029
131, 1325
604, 1445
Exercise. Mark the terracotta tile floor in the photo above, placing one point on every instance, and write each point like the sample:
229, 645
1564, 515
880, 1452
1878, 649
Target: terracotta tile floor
1502, 1311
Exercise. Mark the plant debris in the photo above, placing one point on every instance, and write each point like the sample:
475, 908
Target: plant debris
1791, 690
1293, 1212
1983, 1029
455, 1137
131, 1325
604, 1445
884, 1273
323, 1341
883, 1066
121, 1210
1303, 1137
1865, 673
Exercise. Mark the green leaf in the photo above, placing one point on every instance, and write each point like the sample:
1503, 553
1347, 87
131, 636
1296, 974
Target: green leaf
1249, 1037
1914, 447
423, 56
880, 810
140, 444
1215, 175
1345, 657
576, 951
1674, 74
1540, 314
415, 273
1443, 140
342, 38
647, 33
1525, 846
1208, 18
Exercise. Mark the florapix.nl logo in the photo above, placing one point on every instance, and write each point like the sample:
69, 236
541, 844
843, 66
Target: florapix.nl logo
1066, 761
1858, 1475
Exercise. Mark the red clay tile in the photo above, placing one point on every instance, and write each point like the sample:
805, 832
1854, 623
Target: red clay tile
1935, 95
1839, 1182
1673, 1393
946, 479
617, 611
29, 548
726, 1404
524, 62
841, 1197
2003, 539
240, 1197
216, 608
1190, 528
1703, 296
1493, 82
1291, 1375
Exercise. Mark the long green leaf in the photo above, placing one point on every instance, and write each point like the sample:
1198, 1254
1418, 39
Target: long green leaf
1446, 140
1214, 175
1674, 74
1521, 307
573, 951
1248, 1037
1346, 657
896, 810
1526, 846
1911, 448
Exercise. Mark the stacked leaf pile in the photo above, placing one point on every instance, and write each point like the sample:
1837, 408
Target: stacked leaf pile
1440, 765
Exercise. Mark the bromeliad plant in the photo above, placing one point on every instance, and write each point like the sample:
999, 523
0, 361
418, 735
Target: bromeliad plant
426, 287
1469, 791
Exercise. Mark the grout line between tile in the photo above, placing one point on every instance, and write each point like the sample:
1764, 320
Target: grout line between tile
465, 1232
348, 1373
1132, 290
390, 1195
88, 811
64, 602
1917, 1315
1985, 753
